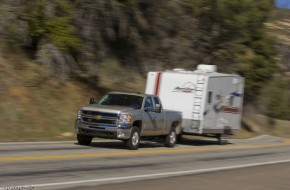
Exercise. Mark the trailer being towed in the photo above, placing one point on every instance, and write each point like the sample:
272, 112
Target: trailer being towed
211, 103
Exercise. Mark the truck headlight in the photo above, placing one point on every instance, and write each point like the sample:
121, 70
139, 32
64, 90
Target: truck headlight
79, 114
125, 119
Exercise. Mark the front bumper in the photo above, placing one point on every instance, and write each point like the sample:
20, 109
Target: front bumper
122, 131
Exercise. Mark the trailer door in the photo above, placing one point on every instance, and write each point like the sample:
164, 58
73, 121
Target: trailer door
214, 117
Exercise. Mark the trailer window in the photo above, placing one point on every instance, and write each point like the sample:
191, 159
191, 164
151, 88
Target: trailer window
209, 97
231, 101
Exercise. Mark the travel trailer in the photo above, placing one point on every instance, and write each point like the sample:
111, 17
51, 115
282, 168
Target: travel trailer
211, 103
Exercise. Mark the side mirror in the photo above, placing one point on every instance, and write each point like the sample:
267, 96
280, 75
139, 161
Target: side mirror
92, 101
157, 108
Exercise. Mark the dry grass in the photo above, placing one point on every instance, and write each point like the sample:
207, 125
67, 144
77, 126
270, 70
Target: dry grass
35, 106
256, 124
119, 78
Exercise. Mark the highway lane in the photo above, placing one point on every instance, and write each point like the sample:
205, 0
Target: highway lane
61, 165
268, 177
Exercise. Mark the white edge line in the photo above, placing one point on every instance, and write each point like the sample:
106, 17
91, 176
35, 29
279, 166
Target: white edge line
151, 176
47, 142
42, 142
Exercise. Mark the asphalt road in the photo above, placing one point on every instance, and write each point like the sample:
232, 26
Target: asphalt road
268, 177
108, 165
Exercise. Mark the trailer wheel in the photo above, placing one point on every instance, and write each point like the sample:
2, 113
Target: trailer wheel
223, 139
134, 141
170, 139
179, 138
84, 140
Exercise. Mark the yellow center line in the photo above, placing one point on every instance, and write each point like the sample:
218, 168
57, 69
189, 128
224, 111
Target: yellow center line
149, 152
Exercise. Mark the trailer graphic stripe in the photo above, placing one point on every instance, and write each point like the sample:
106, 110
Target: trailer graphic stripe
231, 110
157, 84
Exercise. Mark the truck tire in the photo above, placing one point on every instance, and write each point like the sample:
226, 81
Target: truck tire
223, 139
84, 140
170, 139
134, 141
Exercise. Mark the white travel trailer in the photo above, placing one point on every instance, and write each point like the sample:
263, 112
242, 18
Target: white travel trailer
211, 103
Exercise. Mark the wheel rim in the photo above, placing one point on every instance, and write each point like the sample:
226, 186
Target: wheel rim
135, 139
223, 139
172, 137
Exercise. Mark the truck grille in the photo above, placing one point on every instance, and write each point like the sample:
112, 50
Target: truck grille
100, 121
94, 113
96, 117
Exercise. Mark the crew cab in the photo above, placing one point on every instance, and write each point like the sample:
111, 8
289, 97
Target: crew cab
127, 117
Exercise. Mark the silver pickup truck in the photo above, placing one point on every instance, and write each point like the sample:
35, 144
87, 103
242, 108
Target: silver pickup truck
128, 117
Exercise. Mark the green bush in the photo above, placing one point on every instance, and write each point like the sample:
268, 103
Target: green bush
275, 98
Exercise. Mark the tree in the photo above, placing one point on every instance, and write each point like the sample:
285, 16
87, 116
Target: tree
276, 98
74, 38
53, 36
233, 36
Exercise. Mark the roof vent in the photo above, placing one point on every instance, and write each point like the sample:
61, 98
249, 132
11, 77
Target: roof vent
207, 68
182, 70
178, 69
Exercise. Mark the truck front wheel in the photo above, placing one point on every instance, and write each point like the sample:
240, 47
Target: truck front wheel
84, 140
170, 139
134, 141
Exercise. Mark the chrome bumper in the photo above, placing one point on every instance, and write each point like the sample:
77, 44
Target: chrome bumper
103, 131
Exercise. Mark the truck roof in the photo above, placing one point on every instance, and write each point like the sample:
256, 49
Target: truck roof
135, 94
128, 93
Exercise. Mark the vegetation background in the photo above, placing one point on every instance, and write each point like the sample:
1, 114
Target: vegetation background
56, 54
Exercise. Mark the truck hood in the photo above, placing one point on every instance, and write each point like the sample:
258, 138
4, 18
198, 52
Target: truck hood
105, 108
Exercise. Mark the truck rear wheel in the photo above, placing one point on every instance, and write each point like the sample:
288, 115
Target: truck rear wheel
84, 140
134, 141
170, 139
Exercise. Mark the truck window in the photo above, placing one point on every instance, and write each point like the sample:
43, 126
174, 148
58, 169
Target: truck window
148, 103
156, 101
122, 100
209, 97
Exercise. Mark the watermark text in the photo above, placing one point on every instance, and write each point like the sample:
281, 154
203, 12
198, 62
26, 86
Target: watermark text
20, 187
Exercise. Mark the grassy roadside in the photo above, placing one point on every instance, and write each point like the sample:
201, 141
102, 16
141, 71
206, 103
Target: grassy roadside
35, 106
256, 124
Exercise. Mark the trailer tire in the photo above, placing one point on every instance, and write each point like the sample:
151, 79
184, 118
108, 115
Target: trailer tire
170, 139
179, 138
223, 139
84, 140
134, 141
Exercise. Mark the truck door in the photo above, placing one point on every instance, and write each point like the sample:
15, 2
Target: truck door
149, 118
159, 117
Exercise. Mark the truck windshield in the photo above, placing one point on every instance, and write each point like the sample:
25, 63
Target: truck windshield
122, 100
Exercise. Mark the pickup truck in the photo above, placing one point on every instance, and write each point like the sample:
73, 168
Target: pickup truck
127, 117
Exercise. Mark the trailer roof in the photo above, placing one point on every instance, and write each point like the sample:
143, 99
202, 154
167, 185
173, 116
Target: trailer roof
209, 74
